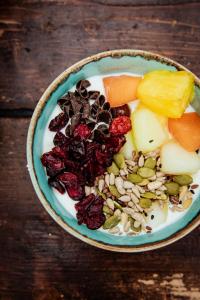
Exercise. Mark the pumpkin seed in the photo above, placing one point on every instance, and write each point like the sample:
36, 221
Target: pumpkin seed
113, 169
134, 169
144, 182
119, 160
107, 210
183, 179
114, 191
101, 194
134, 178
146, 172
145, 202
117, 205
149, 195
172, 188
111, 222
150, 163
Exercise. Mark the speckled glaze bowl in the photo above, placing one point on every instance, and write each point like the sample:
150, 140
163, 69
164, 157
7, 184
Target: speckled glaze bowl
117, 61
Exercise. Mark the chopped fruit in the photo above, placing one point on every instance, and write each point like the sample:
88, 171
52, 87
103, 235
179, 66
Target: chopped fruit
176, 160
149, 134
158, 214
120, 125
128, 147
120, 89
186, 130
82, 131
167, 92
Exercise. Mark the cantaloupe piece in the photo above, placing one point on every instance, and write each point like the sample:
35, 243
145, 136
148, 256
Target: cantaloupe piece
186, 130
120, 89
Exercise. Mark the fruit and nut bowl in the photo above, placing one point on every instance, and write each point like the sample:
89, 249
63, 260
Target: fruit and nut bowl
120, 152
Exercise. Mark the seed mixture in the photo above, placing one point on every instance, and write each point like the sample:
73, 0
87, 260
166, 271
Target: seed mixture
129, 187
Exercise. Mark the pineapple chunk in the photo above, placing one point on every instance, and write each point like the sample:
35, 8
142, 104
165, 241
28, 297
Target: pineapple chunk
167, 92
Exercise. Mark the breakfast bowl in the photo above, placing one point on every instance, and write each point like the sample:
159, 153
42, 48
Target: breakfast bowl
175, 219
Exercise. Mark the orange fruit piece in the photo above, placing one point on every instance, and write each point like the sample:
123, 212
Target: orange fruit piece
120, 89
186, 130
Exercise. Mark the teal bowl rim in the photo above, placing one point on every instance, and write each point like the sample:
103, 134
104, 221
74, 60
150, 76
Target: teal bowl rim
30, 137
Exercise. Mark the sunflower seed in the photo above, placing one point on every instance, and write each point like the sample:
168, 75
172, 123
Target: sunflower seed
112, 179
130, 204
137, 224
154, 185
93, 190
107, 179
114, 230
124, 218
128, 185
127, 226
122, 173
141, 189
182, 192
130, 163
110, 203
134, 198
125, 198
159, 174
136, 191
141, 161
101, 185
117, 213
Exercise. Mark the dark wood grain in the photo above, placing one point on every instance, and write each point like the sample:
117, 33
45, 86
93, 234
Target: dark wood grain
38, 258
38, 40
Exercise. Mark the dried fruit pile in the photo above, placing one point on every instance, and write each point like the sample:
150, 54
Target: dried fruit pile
88, 134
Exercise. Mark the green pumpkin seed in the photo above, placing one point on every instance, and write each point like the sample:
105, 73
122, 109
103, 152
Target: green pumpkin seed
114, 191
150, 163
134, 178
183, 179
172, 188
145, 202
144, 182
134, 169
111, 222
117, 205
107, 210
101, 194
149, 195
113, 169
161, 197
146, 172
119, 160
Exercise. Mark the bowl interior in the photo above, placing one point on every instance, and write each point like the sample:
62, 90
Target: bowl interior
103, 66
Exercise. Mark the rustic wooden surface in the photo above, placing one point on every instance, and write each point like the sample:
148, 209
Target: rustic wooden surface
38, 40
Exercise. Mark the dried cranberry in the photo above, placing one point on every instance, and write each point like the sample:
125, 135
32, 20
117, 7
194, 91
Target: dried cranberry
120, 125
82, 131
59, 152
54, 165
103, 157
90, 211
76, 192
60, 139
122, 110
115, 143
56, 184
68, 179
58, 122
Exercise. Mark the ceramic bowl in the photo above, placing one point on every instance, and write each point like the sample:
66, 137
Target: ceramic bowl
117, 61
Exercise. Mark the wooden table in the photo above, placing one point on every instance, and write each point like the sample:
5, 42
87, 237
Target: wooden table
38, 40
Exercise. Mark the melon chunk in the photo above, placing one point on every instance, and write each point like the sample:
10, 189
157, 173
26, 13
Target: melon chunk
186, 130
149, 132
128, 147
120, 89
177, 160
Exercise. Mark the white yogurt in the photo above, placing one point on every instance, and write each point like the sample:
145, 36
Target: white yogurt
64, 200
